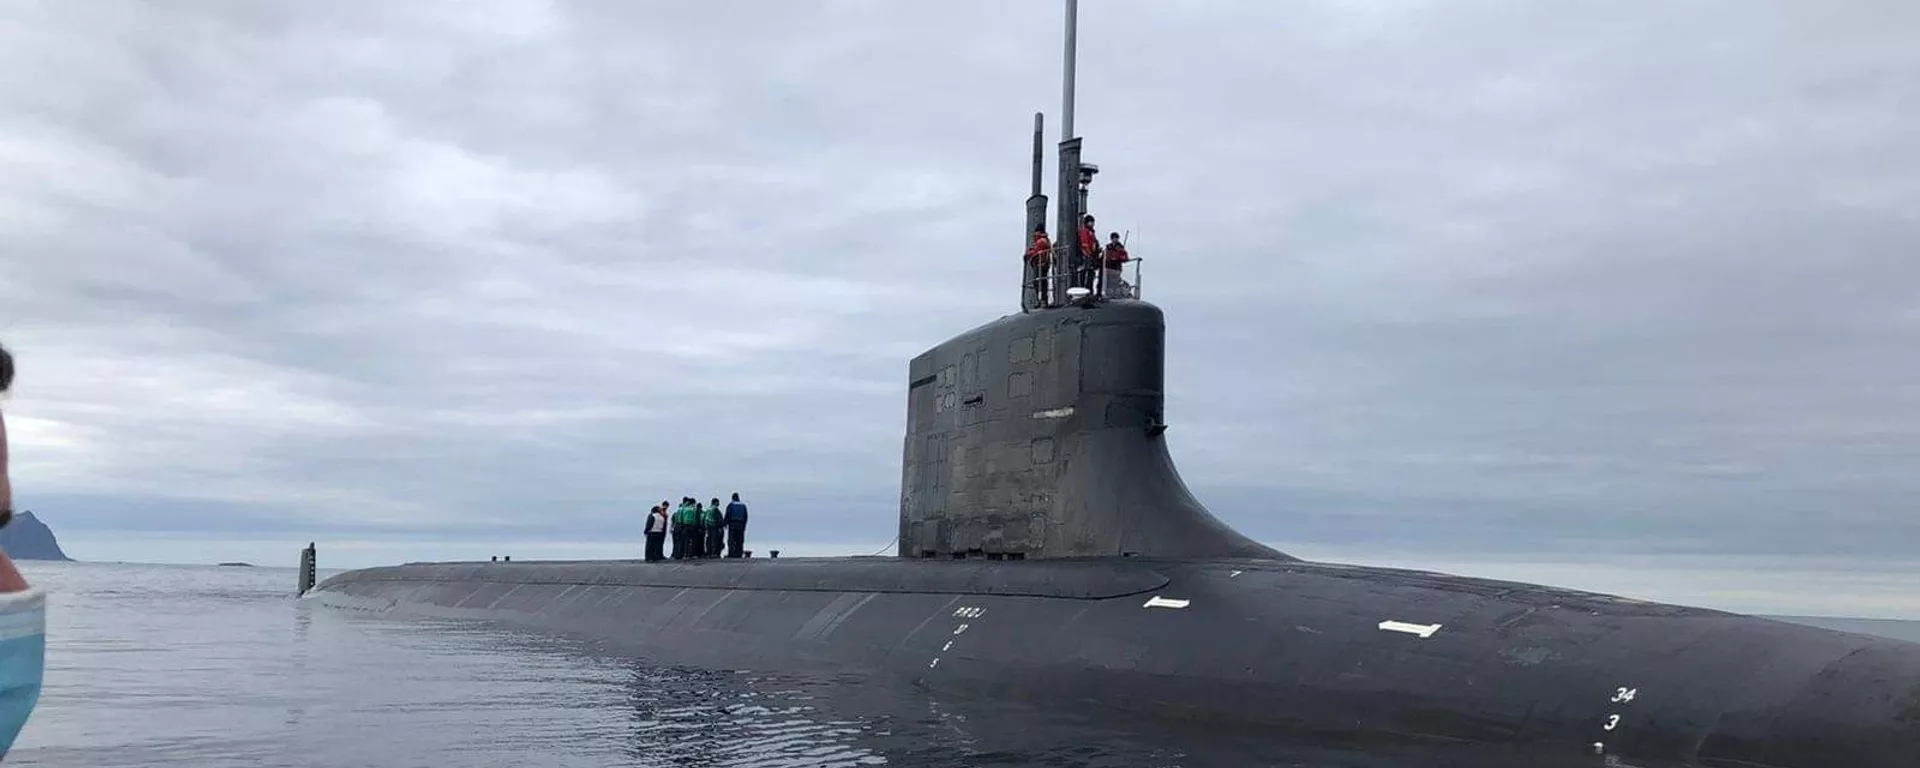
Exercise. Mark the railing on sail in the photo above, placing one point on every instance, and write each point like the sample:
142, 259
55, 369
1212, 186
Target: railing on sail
1126, 289
1050, 290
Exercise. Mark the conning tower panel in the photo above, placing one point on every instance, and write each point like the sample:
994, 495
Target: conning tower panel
1041, 435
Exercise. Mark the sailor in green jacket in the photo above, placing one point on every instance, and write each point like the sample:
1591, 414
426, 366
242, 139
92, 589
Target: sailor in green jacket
673, 531
683, 529
700, 545
710, 522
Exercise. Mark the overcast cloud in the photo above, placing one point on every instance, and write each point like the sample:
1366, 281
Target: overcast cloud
1571, 280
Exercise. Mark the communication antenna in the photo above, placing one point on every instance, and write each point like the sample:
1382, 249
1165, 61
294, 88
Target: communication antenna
1074, 176
1066, 85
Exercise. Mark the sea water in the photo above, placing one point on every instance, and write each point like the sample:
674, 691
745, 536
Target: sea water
157, 665
151, 665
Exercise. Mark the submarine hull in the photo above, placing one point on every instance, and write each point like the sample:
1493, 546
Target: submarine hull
1041, 438
1301, 652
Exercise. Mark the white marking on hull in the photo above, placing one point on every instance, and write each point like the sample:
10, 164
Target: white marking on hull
962, 612
1423, 630
1056, 413
1165, 602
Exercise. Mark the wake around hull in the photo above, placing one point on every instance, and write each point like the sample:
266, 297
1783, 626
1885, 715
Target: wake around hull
1304, 652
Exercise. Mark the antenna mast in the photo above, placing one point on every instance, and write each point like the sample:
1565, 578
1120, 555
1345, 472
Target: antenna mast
1066, 86
1035, 293
1069, 261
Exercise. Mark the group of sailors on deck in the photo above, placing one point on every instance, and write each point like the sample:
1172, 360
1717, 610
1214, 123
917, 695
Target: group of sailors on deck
698, 531
1112, 258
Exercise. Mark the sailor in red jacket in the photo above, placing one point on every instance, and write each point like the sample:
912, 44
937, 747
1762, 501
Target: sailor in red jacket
1115, 260
1040, 258
1089, 254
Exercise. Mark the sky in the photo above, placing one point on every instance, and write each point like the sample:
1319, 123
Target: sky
1617, 297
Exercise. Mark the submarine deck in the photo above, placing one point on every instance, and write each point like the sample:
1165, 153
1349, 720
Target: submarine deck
1090, 578
1319, 650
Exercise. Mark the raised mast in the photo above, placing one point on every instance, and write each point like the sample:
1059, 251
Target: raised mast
1071, 189
1035, 293
1039, 137
1066, 86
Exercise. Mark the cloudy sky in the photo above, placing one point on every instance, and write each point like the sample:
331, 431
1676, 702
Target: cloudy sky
1625, 297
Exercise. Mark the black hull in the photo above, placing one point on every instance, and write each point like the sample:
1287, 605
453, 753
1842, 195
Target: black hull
1293, 649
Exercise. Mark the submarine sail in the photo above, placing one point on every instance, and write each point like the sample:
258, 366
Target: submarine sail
1042, 434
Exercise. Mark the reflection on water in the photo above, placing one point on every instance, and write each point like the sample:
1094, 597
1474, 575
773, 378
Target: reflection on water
166, 665
702, 719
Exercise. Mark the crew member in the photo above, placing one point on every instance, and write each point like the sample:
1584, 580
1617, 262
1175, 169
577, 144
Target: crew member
673, 533
693, 528
699, 530
1089, 255
1115, 258
656, 531
737, 519
1040, 258
714, 526
683, 529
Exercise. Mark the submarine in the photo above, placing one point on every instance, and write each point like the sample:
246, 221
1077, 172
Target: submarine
1049, 551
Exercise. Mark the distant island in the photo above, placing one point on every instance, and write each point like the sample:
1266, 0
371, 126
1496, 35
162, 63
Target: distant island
26, 538
236, 565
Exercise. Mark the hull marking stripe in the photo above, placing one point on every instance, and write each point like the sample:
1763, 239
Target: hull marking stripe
1423, 630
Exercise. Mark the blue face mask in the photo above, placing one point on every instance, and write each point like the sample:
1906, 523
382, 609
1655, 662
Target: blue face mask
23, 656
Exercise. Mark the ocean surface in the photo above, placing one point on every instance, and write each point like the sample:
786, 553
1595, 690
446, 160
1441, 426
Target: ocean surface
158, 665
